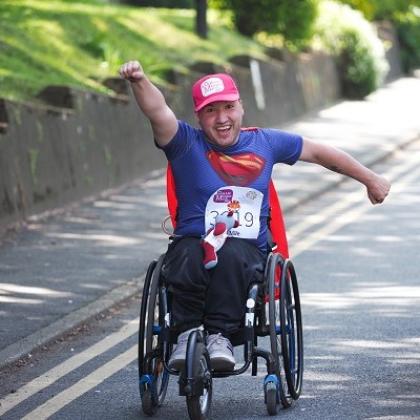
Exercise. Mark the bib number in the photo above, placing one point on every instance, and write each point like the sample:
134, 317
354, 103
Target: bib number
244, 202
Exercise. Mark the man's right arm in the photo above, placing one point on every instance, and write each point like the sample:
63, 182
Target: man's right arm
152, 103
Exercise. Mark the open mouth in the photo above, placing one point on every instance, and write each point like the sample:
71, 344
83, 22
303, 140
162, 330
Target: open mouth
224, 130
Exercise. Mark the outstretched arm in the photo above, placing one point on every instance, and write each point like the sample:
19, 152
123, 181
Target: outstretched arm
339, 161
152, 102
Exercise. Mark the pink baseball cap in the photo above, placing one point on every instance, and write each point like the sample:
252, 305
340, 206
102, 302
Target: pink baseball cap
213, 88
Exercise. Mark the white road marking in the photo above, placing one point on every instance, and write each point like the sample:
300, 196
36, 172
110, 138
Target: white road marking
67, 366
65, 397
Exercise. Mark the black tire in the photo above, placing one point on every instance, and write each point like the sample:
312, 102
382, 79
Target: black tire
147, 402
270, 394
291, 323
151, 320
199, 406
155, 318
274, 264
143, 317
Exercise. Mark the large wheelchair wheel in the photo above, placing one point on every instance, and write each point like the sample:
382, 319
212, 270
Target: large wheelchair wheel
291, 323
198, 378
153, 378
285, 326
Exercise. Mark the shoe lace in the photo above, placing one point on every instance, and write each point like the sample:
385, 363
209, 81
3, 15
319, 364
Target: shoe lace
218, 339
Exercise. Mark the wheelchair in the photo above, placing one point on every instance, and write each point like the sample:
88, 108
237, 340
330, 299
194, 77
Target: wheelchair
272, 310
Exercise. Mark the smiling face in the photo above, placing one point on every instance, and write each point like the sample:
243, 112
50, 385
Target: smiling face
221, 122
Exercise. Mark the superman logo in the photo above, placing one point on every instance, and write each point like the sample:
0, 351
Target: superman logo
240, 170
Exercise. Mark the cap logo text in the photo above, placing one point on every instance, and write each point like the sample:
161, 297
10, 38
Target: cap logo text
212, 85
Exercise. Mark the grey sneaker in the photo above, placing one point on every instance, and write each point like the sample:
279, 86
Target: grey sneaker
177, 359
221, 352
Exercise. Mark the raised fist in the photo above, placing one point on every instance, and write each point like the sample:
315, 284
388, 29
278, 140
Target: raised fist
132, 71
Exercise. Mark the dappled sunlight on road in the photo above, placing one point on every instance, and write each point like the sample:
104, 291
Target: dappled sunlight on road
13, 294
114, 240
394, 296
14, 300
131, 203
326, 376
353, 345
14, 288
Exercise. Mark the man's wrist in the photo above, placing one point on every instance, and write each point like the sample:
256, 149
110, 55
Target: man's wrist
369, 178
137, 77
136, 80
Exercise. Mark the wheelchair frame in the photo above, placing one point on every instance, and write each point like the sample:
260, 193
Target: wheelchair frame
275, 313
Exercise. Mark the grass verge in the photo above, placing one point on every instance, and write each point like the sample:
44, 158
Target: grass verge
80, 43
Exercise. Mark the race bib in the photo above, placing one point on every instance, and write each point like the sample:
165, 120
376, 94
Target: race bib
245, 203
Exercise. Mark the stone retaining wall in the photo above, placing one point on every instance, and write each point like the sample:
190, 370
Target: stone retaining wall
76, 143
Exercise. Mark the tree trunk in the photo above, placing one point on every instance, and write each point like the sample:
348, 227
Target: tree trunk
201, 18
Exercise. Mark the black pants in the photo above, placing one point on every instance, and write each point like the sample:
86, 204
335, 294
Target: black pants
214, 298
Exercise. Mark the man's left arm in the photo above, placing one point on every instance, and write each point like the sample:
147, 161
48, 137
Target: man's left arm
339, 161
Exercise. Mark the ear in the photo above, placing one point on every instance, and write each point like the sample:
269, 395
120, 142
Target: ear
242, 106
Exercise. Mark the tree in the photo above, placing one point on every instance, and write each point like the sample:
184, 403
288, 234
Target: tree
201, 18
291, 18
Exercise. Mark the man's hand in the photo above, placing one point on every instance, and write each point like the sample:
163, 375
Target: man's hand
151, 102
377, 189
132, 71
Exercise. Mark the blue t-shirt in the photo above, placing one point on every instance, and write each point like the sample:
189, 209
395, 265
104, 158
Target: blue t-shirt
200, 168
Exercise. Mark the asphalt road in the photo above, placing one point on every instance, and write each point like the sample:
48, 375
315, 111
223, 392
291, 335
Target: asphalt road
358, 269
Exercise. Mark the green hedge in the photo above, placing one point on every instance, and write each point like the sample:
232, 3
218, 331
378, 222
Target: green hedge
290, 18
360, 54
408, 29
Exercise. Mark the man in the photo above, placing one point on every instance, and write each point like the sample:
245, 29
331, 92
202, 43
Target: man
218, 169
